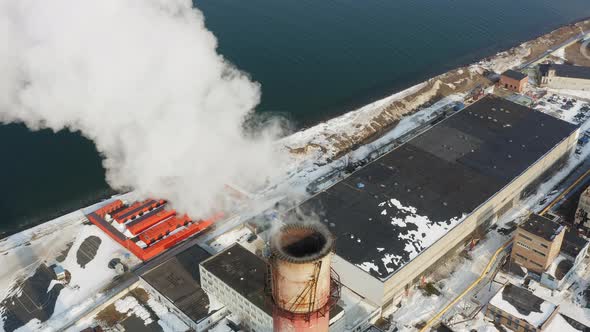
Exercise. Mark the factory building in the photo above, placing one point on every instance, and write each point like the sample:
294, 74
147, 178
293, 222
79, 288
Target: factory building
569, 77
238, 278
399, 216
176, 283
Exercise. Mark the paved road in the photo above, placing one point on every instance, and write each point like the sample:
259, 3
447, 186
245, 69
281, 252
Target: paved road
553, 49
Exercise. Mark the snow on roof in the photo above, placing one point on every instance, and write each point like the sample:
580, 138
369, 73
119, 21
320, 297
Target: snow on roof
388, 212
560, 324
227, 239
523, 304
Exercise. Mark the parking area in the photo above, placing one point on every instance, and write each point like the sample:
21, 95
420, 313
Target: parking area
569, 109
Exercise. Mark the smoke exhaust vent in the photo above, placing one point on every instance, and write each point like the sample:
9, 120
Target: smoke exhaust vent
304, 287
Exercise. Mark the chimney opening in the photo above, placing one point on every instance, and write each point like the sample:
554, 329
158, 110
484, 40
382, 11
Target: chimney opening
301, 243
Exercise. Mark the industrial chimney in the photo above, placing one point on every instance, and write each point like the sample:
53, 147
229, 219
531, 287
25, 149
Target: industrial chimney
304, 287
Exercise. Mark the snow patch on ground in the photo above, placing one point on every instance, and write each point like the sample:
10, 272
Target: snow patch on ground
85, 284
129, 306
560, 53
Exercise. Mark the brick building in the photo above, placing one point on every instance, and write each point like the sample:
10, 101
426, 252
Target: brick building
514, 80
537, 243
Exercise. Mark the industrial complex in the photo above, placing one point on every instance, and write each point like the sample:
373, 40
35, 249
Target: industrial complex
473, 214
373, 235
397, 217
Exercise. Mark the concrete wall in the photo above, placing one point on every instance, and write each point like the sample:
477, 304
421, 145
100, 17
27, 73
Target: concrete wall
250, 314
395, 285
358, 280
557, 82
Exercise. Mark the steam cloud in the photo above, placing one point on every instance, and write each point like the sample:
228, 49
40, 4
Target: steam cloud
142, 79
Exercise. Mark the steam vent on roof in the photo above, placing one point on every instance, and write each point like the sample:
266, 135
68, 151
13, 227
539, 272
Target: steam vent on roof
304, 287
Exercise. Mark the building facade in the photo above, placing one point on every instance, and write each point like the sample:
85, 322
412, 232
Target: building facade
557, 76
176, 284
574, 249
582, 218
199, 325
237, 278
537, 243
514, 81
520, 310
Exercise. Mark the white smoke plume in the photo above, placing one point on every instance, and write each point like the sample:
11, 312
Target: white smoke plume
142, 79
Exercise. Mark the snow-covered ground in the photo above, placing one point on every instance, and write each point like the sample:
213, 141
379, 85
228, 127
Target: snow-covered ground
419, 307
84, 289
553, 104
22, 253
149, 312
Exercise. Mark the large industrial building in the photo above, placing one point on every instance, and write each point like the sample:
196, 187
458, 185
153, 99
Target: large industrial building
558, 76
397, 217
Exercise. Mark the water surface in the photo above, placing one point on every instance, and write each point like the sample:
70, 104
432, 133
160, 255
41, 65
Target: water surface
314, 59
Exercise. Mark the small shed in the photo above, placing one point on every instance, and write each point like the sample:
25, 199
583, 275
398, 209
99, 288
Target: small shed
59, 271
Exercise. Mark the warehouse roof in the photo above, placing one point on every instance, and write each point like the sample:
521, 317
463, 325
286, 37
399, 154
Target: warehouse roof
542, 227
514, 74
388, 212
178, 279
243, 272
566, 70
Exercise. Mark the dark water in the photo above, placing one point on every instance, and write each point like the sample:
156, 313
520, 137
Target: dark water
314, 59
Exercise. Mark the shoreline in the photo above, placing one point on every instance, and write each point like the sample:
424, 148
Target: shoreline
330, 139
339, 135
356, 105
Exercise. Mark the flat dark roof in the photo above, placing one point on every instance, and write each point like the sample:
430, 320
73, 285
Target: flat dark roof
243, 272
388, 212
572, 243
542, 227
179, 280
514, 74
563, 70
525, 303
